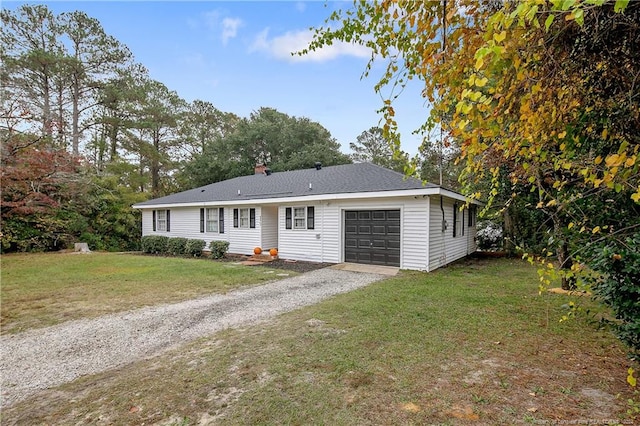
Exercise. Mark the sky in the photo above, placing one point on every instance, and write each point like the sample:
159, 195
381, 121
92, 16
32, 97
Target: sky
237, 55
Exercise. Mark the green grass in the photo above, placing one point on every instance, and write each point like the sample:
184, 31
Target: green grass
40, 290
470, 344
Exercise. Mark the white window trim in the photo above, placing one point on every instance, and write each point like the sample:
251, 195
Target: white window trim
303, 217
212, 217
161, 222
245, 218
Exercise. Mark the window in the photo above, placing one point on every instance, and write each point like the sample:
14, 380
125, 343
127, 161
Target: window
161, 220
300, 217
458, 221
244, 218
212, 220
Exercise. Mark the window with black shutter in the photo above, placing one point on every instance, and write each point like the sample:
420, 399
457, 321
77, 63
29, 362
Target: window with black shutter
201, 220
235, 218
168, 220
311, 217
287, 218
221, 219
455, 219
252, 218
154, 220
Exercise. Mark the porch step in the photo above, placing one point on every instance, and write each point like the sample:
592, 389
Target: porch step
262, 258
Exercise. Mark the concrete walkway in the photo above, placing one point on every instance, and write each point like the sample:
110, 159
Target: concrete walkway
45, 358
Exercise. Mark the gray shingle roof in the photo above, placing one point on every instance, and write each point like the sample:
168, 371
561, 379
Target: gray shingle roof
347, 178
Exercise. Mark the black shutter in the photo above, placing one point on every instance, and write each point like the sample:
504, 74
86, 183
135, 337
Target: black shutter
462, 222
455, 218
168, 220
221, 220
311, 217
252, 218
201, 220
235, 218
287, 220
154, 220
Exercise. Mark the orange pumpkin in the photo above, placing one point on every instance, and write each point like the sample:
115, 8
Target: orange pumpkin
273, 252
257, 250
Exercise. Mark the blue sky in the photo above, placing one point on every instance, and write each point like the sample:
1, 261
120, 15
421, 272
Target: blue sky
236, 55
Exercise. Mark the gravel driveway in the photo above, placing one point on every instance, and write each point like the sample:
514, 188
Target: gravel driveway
45, 358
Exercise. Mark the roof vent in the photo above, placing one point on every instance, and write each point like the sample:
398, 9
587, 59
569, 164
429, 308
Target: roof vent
318, 165
310, 186
238, 192
267, 171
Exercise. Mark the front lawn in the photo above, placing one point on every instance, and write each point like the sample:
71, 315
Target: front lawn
40, 290
473, 343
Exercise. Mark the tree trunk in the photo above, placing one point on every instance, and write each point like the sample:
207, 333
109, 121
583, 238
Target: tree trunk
75, 118
562, 252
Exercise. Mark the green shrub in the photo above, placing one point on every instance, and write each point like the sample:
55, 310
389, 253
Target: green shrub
177, 246
194, 247
218, 249
155, 244
618, 262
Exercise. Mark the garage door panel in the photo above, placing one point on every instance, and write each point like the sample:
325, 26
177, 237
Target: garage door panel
372, 237
364, 229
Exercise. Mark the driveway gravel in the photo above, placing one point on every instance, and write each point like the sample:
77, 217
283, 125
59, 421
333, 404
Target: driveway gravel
44, 358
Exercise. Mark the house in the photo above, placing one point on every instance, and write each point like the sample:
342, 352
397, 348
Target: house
359, 213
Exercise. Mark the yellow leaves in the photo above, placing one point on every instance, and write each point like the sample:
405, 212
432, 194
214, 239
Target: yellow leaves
631, 379
479, 63
571, 225
636, 196
481, 82
499, 38
615, 160
562, 135
598, 160
595, 230
536, 88
605, 132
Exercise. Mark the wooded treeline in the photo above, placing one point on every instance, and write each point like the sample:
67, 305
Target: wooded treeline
86, 133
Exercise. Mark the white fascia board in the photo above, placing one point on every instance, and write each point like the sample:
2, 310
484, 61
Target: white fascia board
421, 192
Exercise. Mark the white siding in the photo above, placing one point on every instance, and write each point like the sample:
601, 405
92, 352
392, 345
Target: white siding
243, 240
301, 244
185, 222
325, 243
444, 248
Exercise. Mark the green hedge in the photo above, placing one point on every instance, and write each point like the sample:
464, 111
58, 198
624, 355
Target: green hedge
155, 244
218, 249
177, 246
194, 247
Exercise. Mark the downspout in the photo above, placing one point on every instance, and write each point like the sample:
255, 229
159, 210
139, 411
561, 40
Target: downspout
443, 256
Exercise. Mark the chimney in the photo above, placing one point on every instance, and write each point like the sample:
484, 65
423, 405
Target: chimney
260, 169
318, 165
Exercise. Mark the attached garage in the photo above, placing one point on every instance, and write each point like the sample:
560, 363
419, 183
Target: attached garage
372, 237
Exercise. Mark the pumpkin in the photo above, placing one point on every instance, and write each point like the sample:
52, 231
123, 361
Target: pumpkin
273, 252
257, 250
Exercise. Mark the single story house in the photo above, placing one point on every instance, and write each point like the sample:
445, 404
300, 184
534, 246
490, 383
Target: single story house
360, 213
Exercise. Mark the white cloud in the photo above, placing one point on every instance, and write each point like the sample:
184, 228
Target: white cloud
230, 28
282, 47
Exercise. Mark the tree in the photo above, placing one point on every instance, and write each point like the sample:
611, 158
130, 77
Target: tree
39, 185
542, 97
266, 137
31, 53
93, 56
371, 146
153, 136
